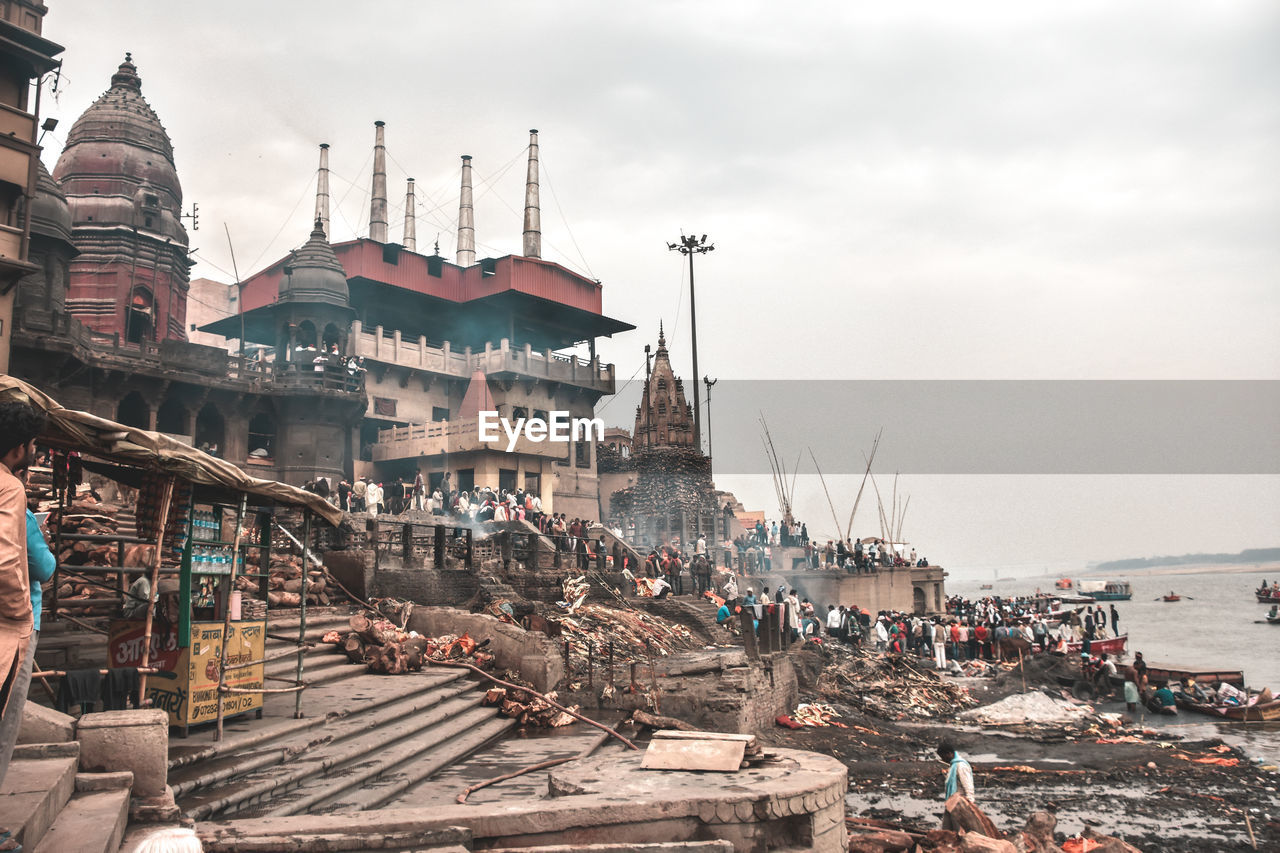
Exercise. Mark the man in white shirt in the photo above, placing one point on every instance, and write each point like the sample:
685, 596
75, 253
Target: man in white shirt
833, 620
660, 588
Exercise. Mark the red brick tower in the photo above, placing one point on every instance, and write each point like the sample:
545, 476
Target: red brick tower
118, 174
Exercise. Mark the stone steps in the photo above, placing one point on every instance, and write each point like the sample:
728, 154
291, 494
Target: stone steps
36, 789
91, 822
365, 742
402, 766
291, 738
328, 768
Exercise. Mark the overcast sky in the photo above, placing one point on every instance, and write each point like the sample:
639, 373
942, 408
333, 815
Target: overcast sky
912, 191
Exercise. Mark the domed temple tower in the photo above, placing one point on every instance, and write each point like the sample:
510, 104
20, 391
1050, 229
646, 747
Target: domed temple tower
664, 417
117, 171
669, 492
42, 295
312, 319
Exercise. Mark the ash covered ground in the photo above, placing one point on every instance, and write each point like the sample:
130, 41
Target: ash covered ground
1148, 786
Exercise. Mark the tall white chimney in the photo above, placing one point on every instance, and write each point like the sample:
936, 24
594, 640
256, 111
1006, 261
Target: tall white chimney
378, 206
466, 218
532, 215
410, 220
322, 190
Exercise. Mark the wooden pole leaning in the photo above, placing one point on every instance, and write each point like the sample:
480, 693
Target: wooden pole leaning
166, 496
226, 612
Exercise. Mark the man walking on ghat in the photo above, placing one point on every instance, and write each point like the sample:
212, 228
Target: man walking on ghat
959, 776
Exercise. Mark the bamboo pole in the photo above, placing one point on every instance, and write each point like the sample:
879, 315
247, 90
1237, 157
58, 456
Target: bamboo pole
166, 495
302, 612
541, 765
823, 480
875, 445
223, 689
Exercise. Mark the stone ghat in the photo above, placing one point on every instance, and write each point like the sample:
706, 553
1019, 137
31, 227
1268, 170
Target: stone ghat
795, 802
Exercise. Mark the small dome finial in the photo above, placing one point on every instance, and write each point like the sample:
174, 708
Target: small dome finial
662, 336
128, 56
127, 75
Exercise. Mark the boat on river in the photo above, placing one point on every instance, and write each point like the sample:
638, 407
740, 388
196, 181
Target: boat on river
1108, 646
1109, 591
1162, 673
1267, 595
1258, 712
1173, 596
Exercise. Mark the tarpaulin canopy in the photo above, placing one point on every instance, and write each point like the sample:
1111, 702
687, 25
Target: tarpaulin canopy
89, 434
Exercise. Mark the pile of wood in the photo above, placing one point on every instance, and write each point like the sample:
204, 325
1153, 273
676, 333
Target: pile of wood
284, 584
527, 709
592, 628
669, 480
967, 829
384, 648
891, 687
88, 517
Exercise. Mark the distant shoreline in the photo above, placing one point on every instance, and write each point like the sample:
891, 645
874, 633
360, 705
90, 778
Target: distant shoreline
1200, 569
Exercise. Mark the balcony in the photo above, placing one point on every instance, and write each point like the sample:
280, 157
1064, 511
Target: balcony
442, 437
14, 122
495, 361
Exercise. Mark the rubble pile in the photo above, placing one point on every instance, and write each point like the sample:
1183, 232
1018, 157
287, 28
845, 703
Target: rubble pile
811, 714
382, 647
634, 635
891, 687
967, 829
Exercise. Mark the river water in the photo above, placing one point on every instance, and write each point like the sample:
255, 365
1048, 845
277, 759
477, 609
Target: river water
1218, 623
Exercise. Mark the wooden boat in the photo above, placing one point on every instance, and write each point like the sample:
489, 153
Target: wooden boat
1162, 673
985, 586
1109, 646
1172, 597
1256, 713
1268, 595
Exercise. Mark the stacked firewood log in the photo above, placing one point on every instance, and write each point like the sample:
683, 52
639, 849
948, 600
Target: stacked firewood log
284, 584
384, 648
88, 517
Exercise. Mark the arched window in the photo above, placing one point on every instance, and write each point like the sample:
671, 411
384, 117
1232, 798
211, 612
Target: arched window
306, 335
172, 417
332, 339
133, 411
138, 326
210, 430
262, 436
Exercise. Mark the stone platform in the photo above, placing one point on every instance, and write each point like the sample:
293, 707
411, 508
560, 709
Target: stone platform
794, 802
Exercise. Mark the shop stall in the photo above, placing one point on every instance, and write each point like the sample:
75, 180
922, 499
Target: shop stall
197, 644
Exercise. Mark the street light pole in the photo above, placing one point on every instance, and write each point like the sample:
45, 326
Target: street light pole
708, 381
691, 246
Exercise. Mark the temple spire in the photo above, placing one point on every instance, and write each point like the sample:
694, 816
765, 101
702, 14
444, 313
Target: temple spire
662, 336
322, 189
378, 204
410, 220
532, 214
466, 218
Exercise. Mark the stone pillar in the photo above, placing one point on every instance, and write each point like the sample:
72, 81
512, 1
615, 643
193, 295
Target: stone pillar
137, 741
